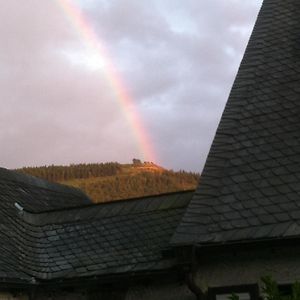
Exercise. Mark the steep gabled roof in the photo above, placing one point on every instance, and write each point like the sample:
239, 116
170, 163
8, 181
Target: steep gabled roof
250, 186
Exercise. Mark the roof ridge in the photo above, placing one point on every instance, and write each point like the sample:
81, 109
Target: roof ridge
88, 212
114, 202
15, 176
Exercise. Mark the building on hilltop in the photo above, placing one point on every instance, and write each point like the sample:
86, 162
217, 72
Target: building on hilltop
242, 222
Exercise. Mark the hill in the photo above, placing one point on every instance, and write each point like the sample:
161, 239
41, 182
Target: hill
104, 182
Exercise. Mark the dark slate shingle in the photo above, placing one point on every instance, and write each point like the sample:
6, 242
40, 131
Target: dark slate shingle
254, 163
115, 242
17, 240
55, 238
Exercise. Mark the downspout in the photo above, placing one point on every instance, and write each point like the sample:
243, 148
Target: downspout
32, 294
191, 283
191, 278
32, 291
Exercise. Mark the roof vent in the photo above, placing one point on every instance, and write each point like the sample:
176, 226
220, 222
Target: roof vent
19, 207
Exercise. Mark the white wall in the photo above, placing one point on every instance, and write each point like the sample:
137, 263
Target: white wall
248, 266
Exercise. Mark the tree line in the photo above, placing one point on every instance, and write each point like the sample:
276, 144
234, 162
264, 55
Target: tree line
73, 171
124, 186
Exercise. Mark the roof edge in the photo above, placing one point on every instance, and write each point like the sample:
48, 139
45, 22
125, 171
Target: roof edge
101, 210
15, 176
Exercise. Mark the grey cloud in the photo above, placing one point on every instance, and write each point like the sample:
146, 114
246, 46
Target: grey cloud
56, 112
51, 111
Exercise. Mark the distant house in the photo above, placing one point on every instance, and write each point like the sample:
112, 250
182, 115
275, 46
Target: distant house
242, 222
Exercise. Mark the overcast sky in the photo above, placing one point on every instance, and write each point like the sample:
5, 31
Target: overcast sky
177, 58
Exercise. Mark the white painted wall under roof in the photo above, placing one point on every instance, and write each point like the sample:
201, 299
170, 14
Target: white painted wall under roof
243, 267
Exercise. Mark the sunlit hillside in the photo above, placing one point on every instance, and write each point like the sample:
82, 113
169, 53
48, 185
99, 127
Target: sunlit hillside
112, 181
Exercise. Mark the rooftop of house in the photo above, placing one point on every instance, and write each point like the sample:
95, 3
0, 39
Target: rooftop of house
50, 232
250, 186
249, 189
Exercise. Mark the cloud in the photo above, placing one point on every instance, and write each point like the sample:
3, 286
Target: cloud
177, 59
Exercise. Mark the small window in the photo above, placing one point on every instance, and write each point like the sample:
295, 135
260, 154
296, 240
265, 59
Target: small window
245, 292
285, 289
242, 296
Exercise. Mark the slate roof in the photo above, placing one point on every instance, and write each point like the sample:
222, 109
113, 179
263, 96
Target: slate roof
37, 195
47, 242
250, 186
113, 238
34, 194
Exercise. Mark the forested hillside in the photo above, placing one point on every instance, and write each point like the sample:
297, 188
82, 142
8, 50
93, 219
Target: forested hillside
80, 171
111, 181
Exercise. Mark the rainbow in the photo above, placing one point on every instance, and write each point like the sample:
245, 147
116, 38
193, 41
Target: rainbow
92, 41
